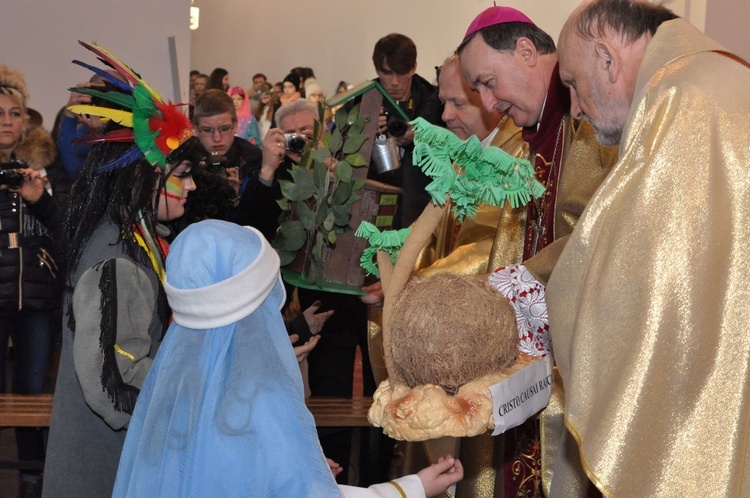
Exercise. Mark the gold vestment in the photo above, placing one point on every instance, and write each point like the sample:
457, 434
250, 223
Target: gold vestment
494, 239
648, 303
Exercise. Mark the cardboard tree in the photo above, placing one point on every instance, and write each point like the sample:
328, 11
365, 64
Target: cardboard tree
341, 271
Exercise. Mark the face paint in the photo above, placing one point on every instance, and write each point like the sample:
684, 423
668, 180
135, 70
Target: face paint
173, 188
173, 195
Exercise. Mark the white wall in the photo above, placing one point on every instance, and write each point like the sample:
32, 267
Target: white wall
336, 37
39, 38
727, 22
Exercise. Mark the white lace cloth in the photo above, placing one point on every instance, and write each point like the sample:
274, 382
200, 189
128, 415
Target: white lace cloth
526, 294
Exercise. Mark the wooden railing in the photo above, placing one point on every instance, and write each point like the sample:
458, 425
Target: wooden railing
34, 410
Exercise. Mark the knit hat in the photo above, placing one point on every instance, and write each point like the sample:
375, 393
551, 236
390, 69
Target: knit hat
313, 88
293, 79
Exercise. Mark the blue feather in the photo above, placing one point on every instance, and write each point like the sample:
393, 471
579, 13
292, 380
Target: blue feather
104, 74
130, 157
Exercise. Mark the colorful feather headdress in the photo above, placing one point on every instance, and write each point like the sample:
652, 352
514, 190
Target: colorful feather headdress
156, 127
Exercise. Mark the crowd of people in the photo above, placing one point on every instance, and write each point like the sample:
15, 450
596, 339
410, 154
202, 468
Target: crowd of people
134, 246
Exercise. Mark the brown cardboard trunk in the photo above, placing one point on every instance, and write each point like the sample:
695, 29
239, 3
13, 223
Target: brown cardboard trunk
341, 260
377, 205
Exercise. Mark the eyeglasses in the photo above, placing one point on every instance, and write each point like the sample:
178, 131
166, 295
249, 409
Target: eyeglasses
208, 131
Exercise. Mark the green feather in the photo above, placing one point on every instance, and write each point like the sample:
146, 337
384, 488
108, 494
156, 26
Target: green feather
119, 98
143, 110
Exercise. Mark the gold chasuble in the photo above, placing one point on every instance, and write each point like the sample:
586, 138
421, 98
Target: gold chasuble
509, 465
649, 303
465, 248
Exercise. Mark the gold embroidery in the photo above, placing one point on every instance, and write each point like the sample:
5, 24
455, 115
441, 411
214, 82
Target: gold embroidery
399, 488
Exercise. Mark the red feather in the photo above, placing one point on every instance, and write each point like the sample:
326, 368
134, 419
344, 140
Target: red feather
113, 62
121, 135
171, 123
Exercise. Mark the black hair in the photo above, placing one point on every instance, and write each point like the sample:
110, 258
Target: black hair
121, 195
216, 80
504, 36
396, 50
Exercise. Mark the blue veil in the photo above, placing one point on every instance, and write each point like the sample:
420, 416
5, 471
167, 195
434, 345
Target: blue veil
222, 411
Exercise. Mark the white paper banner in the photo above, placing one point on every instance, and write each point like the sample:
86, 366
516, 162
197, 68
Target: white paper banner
521, 395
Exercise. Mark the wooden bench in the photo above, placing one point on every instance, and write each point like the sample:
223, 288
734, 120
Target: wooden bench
34, 410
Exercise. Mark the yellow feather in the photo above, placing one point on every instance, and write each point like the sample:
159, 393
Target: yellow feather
125, 118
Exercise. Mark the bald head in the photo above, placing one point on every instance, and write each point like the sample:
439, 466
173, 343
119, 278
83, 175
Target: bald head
600, 50
463, 112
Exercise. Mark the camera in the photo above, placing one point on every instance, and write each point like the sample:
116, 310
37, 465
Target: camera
216, 162
9, 174
396, 127
295, 143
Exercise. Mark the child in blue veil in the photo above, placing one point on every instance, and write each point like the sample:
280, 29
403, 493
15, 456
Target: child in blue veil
222, 411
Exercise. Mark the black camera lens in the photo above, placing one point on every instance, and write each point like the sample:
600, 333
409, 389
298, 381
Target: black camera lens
12, 178
295, 143
216, 162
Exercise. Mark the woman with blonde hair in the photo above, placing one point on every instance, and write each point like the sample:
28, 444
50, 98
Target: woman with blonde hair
31, 275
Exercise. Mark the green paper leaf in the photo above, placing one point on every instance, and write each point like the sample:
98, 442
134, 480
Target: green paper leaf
332, 237
321, 155
358, 125
283, 204
293, 235
286, 257
356, 160
320, 175
317, 250
340, 118
358, 183
306, 216
336, 141
329, 220
303, 183
342, 194
322, 213
343, 172
314, 274
341, 215
354, 143
351, 200
353, 115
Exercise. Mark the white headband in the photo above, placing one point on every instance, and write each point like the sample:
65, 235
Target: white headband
230, 300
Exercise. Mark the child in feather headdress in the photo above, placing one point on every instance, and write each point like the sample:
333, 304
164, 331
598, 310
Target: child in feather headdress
137, 174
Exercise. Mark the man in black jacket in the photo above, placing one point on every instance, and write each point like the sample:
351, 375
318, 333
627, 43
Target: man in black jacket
395, 60
237, 184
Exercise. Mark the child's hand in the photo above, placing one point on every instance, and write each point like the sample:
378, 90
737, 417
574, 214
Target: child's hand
336, 469
438, 477
302, 351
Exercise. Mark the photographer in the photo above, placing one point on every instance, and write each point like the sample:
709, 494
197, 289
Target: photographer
30, 269
282, 147
233, 169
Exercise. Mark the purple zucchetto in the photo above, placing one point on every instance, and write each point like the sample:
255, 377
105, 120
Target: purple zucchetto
495, 15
